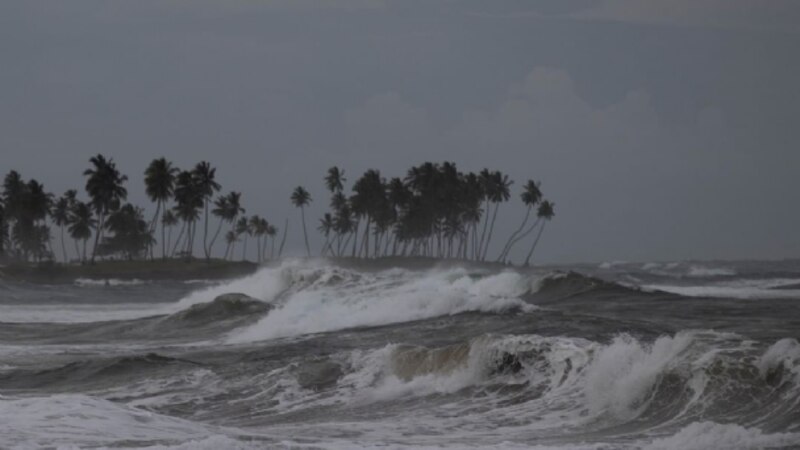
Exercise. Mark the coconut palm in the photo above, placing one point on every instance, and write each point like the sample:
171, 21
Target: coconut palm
230, 239
82, 222
498, 192
546, 212
272, 231
204, 176
300, 199
325, 227
159, 180
189, 202
531, 196
104, 184
168, 221
243, 228
335, 179
227, 209
61, 215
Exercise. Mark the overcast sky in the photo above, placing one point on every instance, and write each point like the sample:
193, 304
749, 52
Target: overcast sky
662, 130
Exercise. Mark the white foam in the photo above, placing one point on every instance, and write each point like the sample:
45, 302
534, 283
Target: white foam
784, 353
623, 373
109, 282
708, 435
81, 420
737, 291
702, 271
76, 313
335, 300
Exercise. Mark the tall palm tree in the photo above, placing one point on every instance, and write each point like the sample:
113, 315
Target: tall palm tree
325, 227
499, 192
272, 231
168, 221
61, 217
104, 186
335, 179
189, 201
300, 199
546, 212
256, 229
531, 196
243, 228
82, 222
227, 209
230, 239
204, 176
159, 180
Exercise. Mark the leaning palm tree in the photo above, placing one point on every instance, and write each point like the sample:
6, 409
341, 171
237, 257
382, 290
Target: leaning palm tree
531, 196
204, 175
82, 222
168, 220
159, 180
243, 228
335, 179
227, 208
104, 186
300, 199
546, 213
499, 192
272, 231
60, 214
230, 239
325, 227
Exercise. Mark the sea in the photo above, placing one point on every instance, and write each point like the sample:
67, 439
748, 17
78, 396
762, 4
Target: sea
317, 354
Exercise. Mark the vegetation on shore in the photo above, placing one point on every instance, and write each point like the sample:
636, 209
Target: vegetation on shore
434, 211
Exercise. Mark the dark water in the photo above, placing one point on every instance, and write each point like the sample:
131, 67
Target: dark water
650, 356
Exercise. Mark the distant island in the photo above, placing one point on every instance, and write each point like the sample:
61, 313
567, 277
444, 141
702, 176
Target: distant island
434, 211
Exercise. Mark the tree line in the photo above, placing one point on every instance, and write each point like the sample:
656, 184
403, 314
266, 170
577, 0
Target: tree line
434, 211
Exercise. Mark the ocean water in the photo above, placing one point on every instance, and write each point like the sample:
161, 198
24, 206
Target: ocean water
612, 356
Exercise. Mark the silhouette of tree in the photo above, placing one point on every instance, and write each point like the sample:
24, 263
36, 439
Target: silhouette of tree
531, 196
159, 180
82, 222
104, 186
546, 212
61, 217
204, 176
227, 209
300, 199
132, 235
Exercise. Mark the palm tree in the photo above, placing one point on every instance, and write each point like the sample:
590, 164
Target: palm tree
335, 179
531, 195
168, 220
204, 176
230, 239
256, 229
325, 227
159, 179
546, 213
104, 186
61, 217
243, 228
272, 231
499, 191
300, 199
227, 208
82, 222
189, 199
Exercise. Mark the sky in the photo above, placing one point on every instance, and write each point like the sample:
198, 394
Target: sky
662, 130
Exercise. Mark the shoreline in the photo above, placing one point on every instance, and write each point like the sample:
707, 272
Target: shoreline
171, 269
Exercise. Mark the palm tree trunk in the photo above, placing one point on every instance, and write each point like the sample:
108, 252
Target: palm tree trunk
272, 248
355, 237
206, 249
244, 247
491, 230
485, 226
63, 245
100, 226
524, 234
530, 253
77, 250
305, 234
506, 248
164, 242
283, 239
153, 225
214, 239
